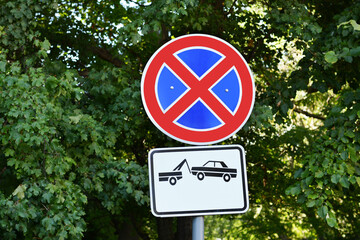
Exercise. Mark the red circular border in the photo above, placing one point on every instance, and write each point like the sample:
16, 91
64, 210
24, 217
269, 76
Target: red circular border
152, 106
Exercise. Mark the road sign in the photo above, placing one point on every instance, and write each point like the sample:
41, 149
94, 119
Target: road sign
198, 89
193, 181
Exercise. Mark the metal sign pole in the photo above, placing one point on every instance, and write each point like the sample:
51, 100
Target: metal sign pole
198, 228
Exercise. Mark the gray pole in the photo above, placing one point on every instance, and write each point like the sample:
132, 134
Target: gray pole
198, 228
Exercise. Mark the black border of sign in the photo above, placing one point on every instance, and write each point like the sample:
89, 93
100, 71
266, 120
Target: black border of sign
198, 212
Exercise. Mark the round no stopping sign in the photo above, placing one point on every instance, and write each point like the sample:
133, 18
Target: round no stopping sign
198, 89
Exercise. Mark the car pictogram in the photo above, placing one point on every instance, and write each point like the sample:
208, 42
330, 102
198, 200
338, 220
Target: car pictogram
214, 169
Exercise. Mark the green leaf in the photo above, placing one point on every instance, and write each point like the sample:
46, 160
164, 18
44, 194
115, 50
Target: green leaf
344, 155
313, 196
2, 66
355, 25
310, 203
48, 223
350, 169
331, 221
352, 180
335, 178
305, 173
45, 45
47, 196
42, 53
309, 180
349, 59
20, 191
301, 198
9, 152
83, 198
319, 202
135, 37
326, 163
298, 173
358, 180
22, 214
87, 184
353, 155
75, 119
331, 57
295, 190
319, 174
344, 182
322, 211
350, 134
63, 235
288, 191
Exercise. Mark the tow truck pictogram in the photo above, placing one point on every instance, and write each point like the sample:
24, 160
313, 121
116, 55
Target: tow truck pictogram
175, 175
210, 169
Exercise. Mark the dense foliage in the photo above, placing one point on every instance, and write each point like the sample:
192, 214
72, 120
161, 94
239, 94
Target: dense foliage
74, 135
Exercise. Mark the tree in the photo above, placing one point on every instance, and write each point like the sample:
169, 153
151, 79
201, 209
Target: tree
75, 137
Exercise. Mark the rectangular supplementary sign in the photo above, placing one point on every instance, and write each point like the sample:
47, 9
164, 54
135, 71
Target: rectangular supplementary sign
194, 181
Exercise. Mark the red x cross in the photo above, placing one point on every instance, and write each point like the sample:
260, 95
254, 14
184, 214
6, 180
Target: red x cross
198, 89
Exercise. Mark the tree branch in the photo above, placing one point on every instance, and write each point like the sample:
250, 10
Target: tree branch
317, 116
66, 40
3, 170
259, 42
84, 73
231, 8
106, 55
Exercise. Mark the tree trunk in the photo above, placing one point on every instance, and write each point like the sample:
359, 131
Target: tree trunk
165, 229
184, 228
